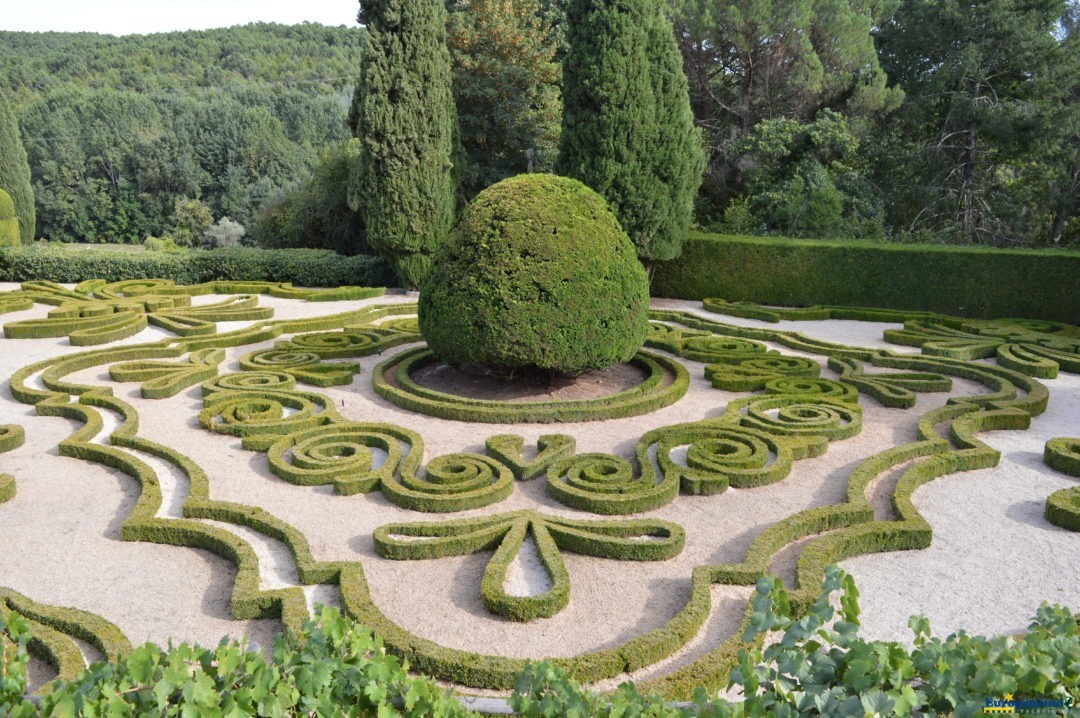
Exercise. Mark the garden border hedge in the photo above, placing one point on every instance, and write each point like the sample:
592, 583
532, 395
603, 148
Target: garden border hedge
967, 281
302, 267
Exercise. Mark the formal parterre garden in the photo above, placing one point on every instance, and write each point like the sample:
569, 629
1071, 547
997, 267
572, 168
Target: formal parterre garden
528, 477
188, 462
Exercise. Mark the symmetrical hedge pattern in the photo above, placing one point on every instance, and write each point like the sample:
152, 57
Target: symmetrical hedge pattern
96, 312
627, 540
747, 441
1039, 348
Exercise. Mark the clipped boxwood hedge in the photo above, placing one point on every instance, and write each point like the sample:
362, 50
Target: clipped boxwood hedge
537, 273
965, 281
302, 267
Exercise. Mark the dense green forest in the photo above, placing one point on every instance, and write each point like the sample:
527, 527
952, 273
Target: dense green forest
117, 130
897, 120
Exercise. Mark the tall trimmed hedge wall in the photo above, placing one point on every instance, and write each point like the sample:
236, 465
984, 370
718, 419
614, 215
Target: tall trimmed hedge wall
302, 267
965, 281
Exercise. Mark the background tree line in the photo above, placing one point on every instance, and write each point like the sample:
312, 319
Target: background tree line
119, 131
927, 120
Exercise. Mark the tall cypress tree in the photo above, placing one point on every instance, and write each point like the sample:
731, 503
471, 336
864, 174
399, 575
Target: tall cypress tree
628, 130
15, 172
403, 182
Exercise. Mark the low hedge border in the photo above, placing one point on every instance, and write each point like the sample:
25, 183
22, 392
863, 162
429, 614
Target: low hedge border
392, 381
972, 281
289, 603
896, 390
356, 342
142, 524
1063, 509
1063, 506
838, 532
509, 450
1060, 453
12, 437
256, 413
161, 379
304, 267
52, 629
339, 453
507, 532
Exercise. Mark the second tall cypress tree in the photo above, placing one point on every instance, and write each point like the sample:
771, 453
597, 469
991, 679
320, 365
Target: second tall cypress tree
403, 183
628, 129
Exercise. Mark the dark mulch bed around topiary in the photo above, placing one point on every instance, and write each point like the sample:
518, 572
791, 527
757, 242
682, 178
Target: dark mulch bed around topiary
478, 382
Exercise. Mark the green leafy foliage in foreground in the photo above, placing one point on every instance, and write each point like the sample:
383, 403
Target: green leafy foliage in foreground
817, 666
340, 670
820, 666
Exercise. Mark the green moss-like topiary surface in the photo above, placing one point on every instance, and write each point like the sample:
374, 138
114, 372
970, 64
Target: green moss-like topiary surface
538, 273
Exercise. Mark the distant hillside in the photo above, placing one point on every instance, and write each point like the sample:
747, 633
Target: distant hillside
117, 129
36, 62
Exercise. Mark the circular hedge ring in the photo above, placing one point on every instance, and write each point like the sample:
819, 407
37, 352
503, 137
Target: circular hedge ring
666, 382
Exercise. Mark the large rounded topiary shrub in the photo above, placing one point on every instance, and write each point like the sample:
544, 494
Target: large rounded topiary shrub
537, 273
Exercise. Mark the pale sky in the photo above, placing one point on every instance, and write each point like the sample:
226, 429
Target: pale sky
125, 17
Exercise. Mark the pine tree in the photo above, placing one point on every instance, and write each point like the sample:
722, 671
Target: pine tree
15, 172
628, 131
505, 88
403, 181
989, 130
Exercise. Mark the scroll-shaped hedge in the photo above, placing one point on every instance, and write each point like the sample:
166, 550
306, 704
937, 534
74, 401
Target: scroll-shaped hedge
358, 457
53, 630
250, 381
626, 540
347, 343
12, 436
753, 373
509, 449
1063, 454
305, 365
1063, 507
253, 413
892, 389
162, 379
813, 389
794, 415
